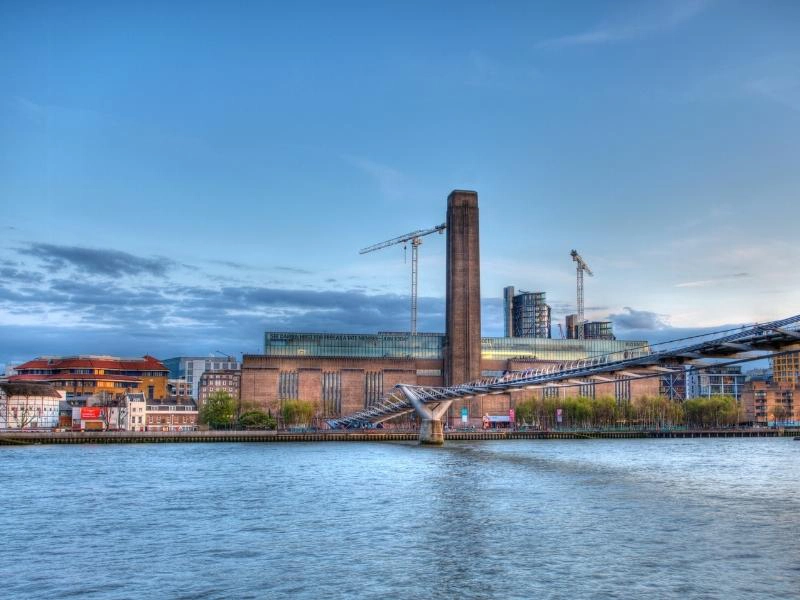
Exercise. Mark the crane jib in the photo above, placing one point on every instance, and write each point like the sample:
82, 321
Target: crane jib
414, 238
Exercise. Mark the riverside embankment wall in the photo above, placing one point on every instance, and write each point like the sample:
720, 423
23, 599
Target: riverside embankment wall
115, 437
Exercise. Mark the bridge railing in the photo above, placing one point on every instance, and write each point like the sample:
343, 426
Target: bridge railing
395, 402
698, 342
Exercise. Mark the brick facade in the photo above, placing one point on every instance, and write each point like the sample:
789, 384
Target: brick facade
352, 389
309, 385
462, 351
764, 402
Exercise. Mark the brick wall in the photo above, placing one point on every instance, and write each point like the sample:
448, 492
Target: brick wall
462, 351
352, 390
309, 386
260, 387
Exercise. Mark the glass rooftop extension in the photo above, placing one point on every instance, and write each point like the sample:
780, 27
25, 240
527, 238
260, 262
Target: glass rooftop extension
503, 348
430, 346
354, 345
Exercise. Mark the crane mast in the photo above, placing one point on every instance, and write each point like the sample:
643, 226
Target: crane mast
581, 267
415, 237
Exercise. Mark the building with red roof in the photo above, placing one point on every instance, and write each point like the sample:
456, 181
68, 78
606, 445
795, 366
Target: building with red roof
89, 374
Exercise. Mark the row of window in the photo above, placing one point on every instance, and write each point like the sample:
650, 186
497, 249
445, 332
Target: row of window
161, 420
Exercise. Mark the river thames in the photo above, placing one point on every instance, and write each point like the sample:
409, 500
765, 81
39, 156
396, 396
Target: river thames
693, 518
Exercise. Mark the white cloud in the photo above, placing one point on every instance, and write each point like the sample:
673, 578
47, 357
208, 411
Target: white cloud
656, 17
713, 281
390, 180
782, 88
632, 319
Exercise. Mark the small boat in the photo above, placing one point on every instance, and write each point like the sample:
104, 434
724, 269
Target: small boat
797, 438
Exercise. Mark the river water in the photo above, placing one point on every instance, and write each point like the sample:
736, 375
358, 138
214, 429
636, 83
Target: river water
518, 519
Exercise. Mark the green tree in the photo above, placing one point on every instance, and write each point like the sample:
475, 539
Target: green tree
297, 412
257, 419
525, 412
604, 412
713, 411
219, 410
586, 412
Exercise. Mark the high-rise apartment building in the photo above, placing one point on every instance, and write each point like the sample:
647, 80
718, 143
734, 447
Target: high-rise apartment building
527, 314
715, 381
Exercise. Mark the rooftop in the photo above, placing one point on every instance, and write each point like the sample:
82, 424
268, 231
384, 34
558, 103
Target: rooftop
144, 363
72, 377
25, 388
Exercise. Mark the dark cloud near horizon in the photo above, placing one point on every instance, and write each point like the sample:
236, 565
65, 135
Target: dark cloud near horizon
294, 270
96, 261
164, 318
230, 264
10, 272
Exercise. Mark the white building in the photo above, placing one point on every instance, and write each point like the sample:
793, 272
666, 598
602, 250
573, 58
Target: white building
137, 412
29, 406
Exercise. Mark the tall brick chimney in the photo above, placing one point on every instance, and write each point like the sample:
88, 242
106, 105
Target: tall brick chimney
462, 351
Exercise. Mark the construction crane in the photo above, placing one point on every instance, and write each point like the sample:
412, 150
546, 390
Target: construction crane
415, 237
581, 267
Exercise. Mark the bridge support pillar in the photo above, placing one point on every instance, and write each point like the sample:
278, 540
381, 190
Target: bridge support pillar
431, 429
431, 432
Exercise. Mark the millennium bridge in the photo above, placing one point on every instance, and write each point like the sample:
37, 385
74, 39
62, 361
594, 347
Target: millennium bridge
736, 345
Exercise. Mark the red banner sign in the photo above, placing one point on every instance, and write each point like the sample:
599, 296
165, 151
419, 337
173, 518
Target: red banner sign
91, 412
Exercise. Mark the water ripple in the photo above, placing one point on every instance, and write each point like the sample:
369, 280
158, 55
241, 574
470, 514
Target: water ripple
521, 519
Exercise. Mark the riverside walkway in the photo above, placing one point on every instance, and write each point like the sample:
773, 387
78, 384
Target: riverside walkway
17, 438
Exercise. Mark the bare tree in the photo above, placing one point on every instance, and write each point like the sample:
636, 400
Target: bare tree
780, 413
114, 409
26, 412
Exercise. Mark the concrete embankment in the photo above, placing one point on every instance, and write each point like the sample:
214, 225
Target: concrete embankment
122, 437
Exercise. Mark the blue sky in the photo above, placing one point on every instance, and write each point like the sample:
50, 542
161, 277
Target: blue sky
179, 177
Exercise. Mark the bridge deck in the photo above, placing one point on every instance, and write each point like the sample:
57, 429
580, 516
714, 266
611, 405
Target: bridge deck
766, 337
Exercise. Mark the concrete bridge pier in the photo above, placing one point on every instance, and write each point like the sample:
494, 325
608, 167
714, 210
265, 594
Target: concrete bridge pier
431, 430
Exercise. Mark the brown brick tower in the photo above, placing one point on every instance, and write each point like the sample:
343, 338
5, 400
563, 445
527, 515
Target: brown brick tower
462, 352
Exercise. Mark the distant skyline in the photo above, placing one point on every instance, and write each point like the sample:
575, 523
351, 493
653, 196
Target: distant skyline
178, 178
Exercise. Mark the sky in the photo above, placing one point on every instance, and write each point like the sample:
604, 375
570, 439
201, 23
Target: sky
177, 178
